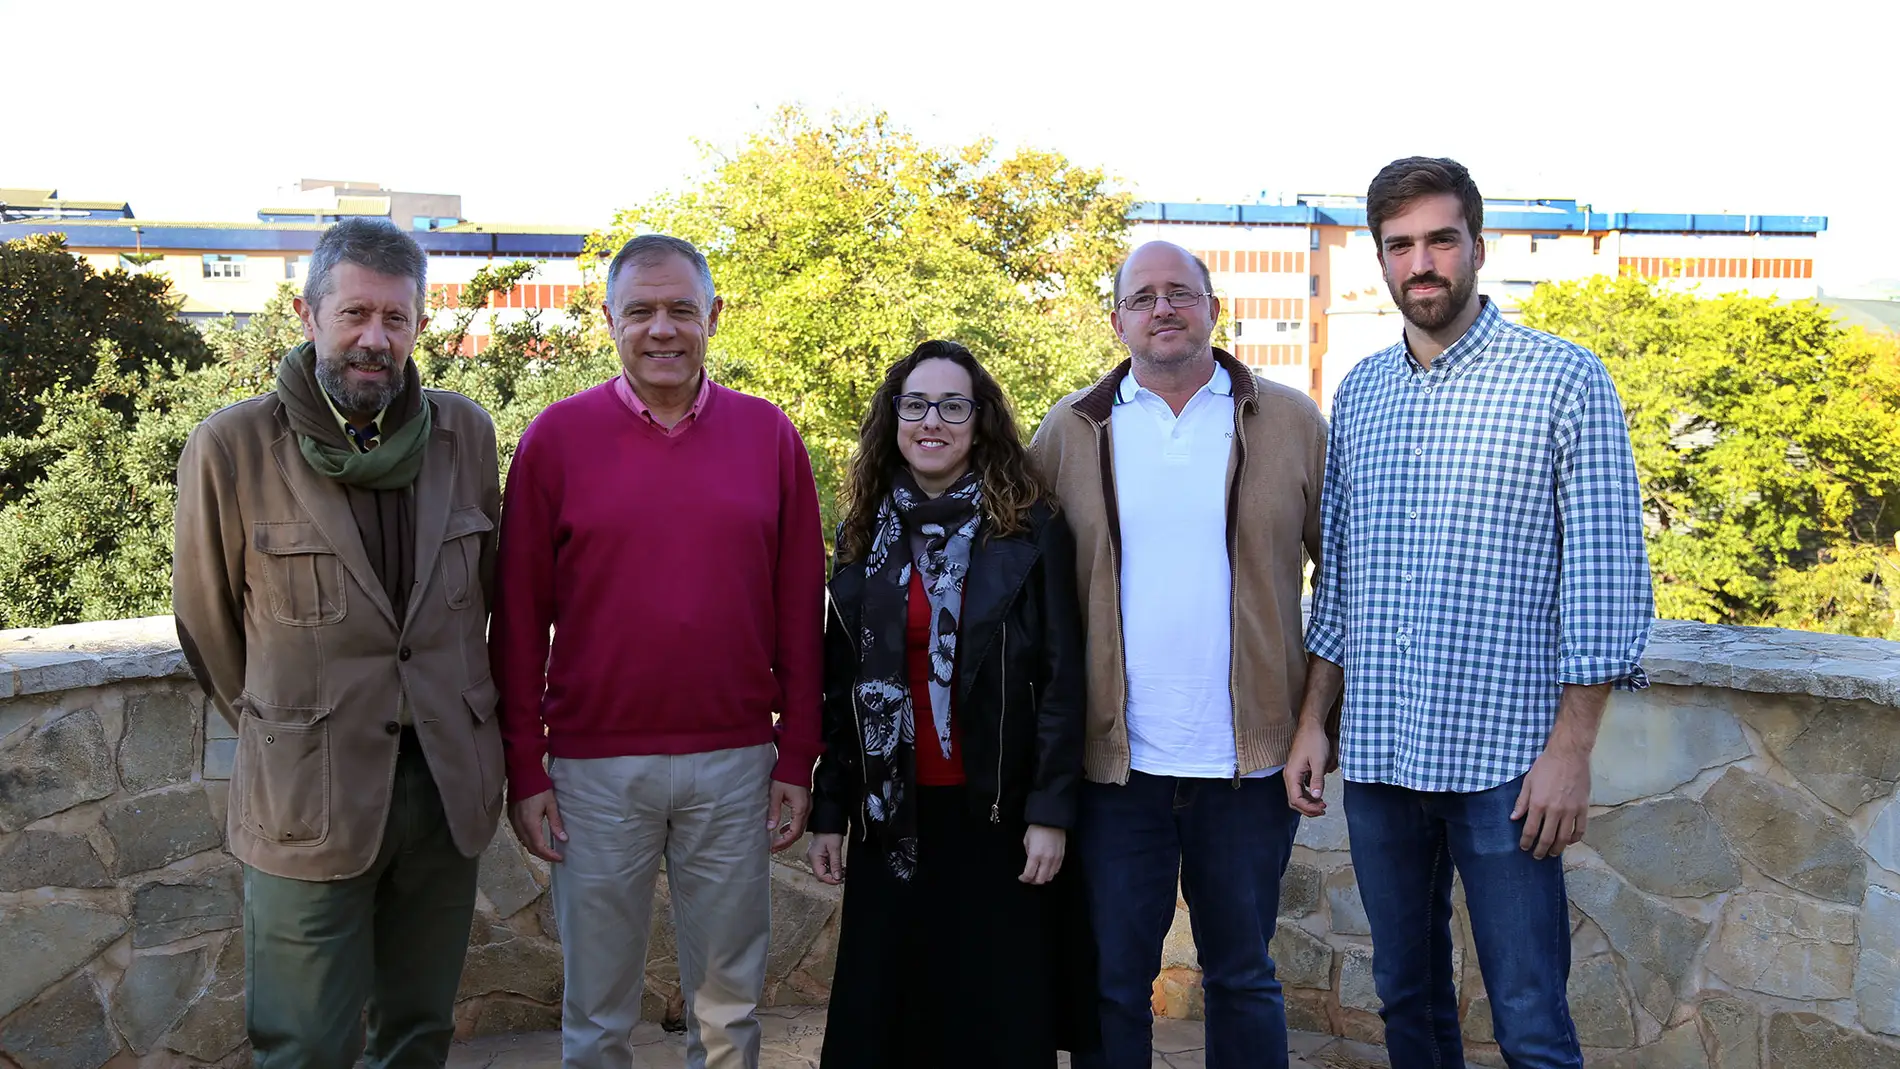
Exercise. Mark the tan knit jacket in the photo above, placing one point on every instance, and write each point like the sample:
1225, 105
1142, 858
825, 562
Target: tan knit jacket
1274, 477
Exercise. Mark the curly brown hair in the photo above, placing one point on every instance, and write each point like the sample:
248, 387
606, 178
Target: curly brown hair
1010, 486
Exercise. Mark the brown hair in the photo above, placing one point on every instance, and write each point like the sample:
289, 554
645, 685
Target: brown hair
1403, 181
997, 455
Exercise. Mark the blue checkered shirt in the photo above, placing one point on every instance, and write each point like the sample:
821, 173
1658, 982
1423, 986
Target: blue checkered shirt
1482, 535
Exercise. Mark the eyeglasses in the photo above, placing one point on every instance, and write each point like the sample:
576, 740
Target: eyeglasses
911, 408
1142, 302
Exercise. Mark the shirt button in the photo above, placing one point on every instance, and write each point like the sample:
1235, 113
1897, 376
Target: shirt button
392, 728
1428, 389
1408, 577
1415, 514
404, 655
1419, 452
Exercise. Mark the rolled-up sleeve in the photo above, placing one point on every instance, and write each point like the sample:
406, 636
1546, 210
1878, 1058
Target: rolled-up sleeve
1606, 605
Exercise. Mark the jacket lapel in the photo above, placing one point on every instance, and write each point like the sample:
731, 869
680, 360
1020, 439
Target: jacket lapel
433, 490
328, 506
998, 569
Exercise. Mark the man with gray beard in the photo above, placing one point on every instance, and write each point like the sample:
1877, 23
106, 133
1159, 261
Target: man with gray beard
334, 553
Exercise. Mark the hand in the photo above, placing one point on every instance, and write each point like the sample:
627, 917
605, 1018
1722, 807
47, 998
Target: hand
799, 799
1554, 802
527, 816
826, 855
1306, 767
1045, 846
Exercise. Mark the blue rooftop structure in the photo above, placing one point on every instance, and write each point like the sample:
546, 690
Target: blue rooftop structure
1544, 216
288, 237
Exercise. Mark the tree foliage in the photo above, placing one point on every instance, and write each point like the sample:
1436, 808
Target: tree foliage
527, 362
839, 245
1768, 438
55, 310
89, 537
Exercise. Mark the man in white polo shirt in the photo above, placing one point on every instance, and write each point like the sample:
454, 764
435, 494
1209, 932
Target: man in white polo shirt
1193, 489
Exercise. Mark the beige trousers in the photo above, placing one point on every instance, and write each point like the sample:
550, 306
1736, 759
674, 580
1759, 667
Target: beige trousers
706, 815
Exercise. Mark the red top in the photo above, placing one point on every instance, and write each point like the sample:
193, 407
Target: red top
683, 576
933, 768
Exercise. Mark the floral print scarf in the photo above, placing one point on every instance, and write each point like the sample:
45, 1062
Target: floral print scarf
946, 526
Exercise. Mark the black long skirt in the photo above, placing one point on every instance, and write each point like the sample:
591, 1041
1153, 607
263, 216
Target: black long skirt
965, 965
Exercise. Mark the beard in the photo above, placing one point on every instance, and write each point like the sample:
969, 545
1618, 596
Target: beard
1435, 313
367, 397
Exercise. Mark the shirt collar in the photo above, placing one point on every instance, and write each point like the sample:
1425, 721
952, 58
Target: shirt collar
1222, 384
343, 424
1475, 340
624, 390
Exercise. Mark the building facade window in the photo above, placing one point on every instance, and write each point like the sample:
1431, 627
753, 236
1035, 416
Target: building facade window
218, 265
296, 267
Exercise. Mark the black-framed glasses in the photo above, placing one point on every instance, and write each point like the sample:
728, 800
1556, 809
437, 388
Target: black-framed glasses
911, 408
1144, 302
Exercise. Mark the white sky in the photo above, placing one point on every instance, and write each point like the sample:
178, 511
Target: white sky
556, 111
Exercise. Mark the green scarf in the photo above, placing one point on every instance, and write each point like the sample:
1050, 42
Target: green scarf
392, 465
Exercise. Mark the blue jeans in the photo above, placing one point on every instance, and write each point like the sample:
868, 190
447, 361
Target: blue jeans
1404, 846
1229, 846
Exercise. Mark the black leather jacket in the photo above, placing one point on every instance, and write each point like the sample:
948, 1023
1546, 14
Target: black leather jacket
1020, 684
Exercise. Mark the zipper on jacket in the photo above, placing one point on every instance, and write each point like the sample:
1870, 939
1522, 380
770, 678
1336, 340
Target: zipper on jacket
1002, 717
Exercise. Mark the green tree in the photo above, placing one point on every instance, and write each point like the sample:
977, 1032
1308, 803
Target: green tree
1768, 439
250, 351
90, 536
527, 362
839, 245
54, 311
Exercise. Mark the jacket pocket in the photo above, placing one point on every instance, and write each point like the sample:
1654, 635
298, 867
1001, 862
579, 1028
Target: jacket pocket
303, 576
462, 555
481, 699
281, 780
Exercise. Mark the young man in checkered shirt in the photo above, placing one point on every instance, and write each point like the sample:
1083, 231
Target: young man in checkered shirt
1483, 586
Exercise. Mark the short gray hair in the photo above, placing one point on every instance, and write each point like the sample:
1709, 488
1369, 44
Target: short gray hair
372, 243
648, 249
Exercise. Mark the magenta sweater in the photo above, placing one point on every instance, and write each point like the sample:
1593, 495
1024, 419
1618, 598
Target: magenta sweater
683, 578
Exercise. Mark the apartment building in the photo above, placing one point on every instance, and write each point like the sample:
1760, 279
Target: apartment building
1305, 298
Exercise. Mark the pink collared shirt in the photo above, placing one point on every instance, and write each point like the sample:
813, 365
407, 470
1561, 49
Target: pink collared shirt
624, 391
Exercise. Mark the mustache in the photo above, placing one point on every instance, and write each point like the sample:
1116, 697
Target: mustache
1427, 280
369, 359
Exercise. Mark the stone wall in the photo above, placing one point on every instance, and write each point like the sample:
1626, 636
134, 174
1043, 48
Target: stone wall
1736, 904
120, 911
1736, 901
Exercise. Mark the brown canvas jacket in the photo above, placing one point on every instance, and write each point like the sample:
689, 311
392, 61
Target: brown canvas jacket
293, 636
1274, 476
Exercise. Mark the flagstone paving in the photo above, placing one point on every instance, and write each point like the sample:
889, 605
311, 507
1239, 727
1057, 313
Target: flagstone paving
792, 1036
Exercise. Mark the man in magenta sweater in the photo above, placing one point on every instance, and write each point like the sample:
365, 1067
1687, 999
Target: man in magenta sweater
665, 530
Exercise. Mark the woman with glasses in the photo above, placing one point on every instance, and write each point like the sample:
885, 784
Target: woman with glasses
953, 739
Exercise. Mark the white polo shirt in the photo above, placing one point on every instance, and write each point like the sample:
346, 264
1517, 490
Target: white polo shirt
1176, 583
